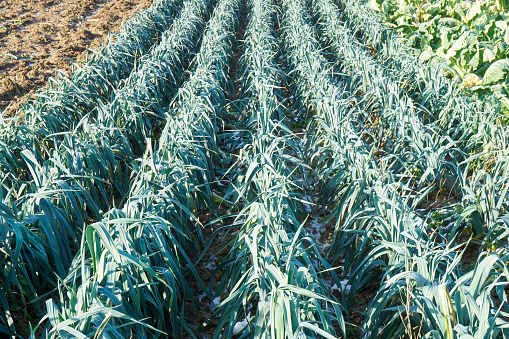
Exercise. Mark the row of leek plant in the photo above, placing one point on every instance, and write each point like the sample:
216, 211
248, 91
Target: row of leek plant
131, 273
485, 208
434, 157
62, 107
377, 228
68, 100
140, 105
270, 268
313, 82
476, 123
82, 178
379, 234
161, 69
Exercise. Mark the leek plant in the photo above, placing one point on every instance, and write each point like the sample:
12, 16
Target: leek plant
130, 275
139, 106
68, 100
269, 269
378, 230
474, 124
83, 178
432, 156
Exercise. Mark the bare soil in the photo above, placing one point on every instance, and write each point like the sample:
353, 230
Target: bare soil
38, 37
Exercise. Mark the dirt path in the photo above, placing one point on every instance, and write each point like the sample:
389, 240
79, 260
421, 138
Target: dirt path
37, 37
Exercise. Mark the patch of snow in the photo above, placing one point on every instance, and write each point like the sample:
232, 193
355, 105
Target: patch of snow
308, 204
326, 247
216, 302
447, 219
449, 225
211, 265
241, 325
344, 286
316, 230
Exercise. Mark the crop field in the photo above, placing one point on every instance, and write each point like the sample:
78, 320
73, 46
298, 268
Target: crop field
260, 169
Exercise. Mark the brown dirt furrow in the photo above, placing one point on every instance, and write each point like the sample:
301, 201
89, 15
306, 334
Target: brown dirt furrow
38, 37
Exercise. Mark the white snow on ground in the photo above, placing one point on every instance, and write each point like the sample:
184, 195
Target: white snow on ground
200, 297
314, 226
216, 302
316, 229
449, 225
212, 263
307, 204
344, 286
242, 324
